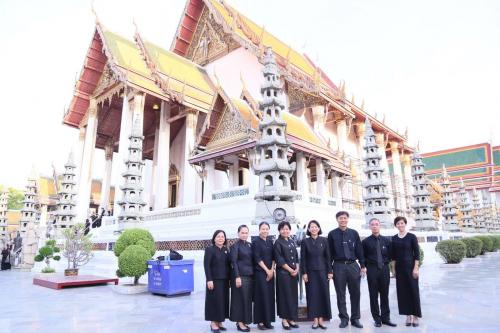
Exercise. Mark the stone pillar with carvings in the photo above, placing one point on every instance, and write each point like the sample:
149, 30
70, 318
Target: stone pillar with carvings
209, 180
189, 174
132, 204
30, 211
119, 166
163, 159
106, 182
465, 209
449, 212
4, 197
233, 171
399, 195
275, 195
65, 215
421, 197
380, 140
376, 197
477, 212
85, 185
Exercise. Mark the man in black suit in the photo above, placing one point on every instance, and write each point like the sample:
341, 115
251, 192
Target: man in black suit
377, 252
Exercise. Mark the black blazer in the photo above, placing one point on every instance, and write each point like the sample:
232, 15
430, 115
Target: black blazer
285, 252
216, 263
315, 255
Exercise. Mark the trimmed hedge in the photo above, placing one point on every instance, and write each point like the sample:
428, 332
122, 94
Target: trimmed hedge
496, 242
452, 251
136, 236
487, 244
133, 262
473, 246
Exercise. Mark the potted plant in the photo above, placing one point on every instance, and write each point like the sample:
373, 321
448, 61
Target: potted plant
46, 253
77, 248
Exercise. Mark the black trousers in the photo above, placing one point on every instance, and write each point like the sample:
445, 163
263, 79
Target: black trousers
378, 285
347, 275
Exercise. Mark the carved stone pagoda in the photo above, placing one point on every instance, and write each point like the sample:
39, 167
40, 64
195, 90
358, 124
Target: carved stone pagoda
132, 204
65, 215
376, 197
4, 237
29, 212
477, 212
465, 209
449, 209
275, 197
421, 197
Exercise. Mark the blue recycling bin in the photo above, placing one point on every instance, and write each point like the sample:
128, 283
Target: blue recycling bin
170, 277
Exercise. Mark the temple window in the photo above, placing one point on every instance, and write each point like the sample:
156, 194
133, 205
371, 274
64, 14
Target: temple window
268, 181
283, 180
278, 131
268, 112
277, 113
268, 154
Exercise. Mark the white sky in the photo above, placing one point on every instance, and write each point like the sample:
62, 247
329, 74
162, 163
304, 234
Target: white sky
433, 66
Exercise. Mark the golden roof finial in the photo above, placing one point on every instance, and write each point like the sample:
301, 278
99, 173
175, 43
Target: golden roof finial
261, 37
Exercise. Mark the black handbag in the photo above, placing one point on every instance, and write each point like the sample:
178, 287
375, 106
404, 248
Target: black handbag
174, 255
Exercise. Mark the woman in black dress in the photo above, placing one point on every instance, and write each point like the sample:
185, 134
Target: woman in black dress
263, 303
406, 256
241, 281
317, 273
287, 270
217, 270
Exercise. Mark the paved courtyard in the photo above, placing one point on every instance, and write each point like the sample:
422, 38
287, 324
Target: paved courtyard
454, 299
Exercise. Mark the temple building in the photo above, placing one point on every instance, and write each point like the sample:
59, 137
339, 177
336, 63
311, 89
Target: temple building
478, 212
197, 106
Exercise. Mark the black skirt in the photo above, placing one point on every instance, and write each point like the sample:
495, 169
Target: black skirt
241, 301
407, 289
287, 295
263, 300
318, 295
217, 301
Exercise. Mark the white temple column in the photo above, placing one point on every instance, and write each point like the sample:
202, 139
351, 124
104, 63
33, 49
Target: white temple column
250, 178
407, 179
380, 140
163, 159
342, 134
337, 190
234, 169
398, 176
152, 195
189, 175
319, 116
302, 179
119, 163
78, 155
320, 178
106, 182
85, 185
210, 180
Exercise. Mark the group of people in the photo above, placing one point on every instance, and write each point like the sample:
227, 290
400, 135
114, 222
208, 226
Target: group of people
246, 281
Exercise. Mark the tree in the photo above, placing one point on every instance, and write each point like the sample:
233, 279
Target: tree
46, 253
77, 246
133, 249
16, 198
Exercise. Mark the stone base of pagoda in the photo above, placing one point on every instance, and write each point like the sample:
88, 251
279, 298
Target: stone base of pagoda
264, 211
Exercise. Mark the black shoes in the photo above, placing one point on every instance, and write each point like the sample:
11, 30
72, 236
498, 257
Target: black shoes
377, 324
246, 329
214, 330
356, 323
288, 328
294, 325
261, 327
389, 323
414, 324
343, 323
268, 326
323, 327
315, 327
222, 328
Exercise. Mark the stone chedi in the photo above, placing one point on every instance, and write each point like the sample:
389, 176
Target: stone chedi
29, 212
488, 215
449, 209
4, 197
65, 215
421, 197
465, 209
376, 197
477, 212
275, 197
132, 204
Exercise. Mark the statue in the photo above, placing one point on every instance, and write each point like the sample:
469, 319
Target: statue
18, 242
299, 236
30, 246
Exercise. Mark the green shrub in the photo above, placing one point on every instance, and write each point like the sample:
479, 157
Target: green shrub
139, 237
421, 255
496, 244
452, 251
487, 244
133, 262
473, 246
